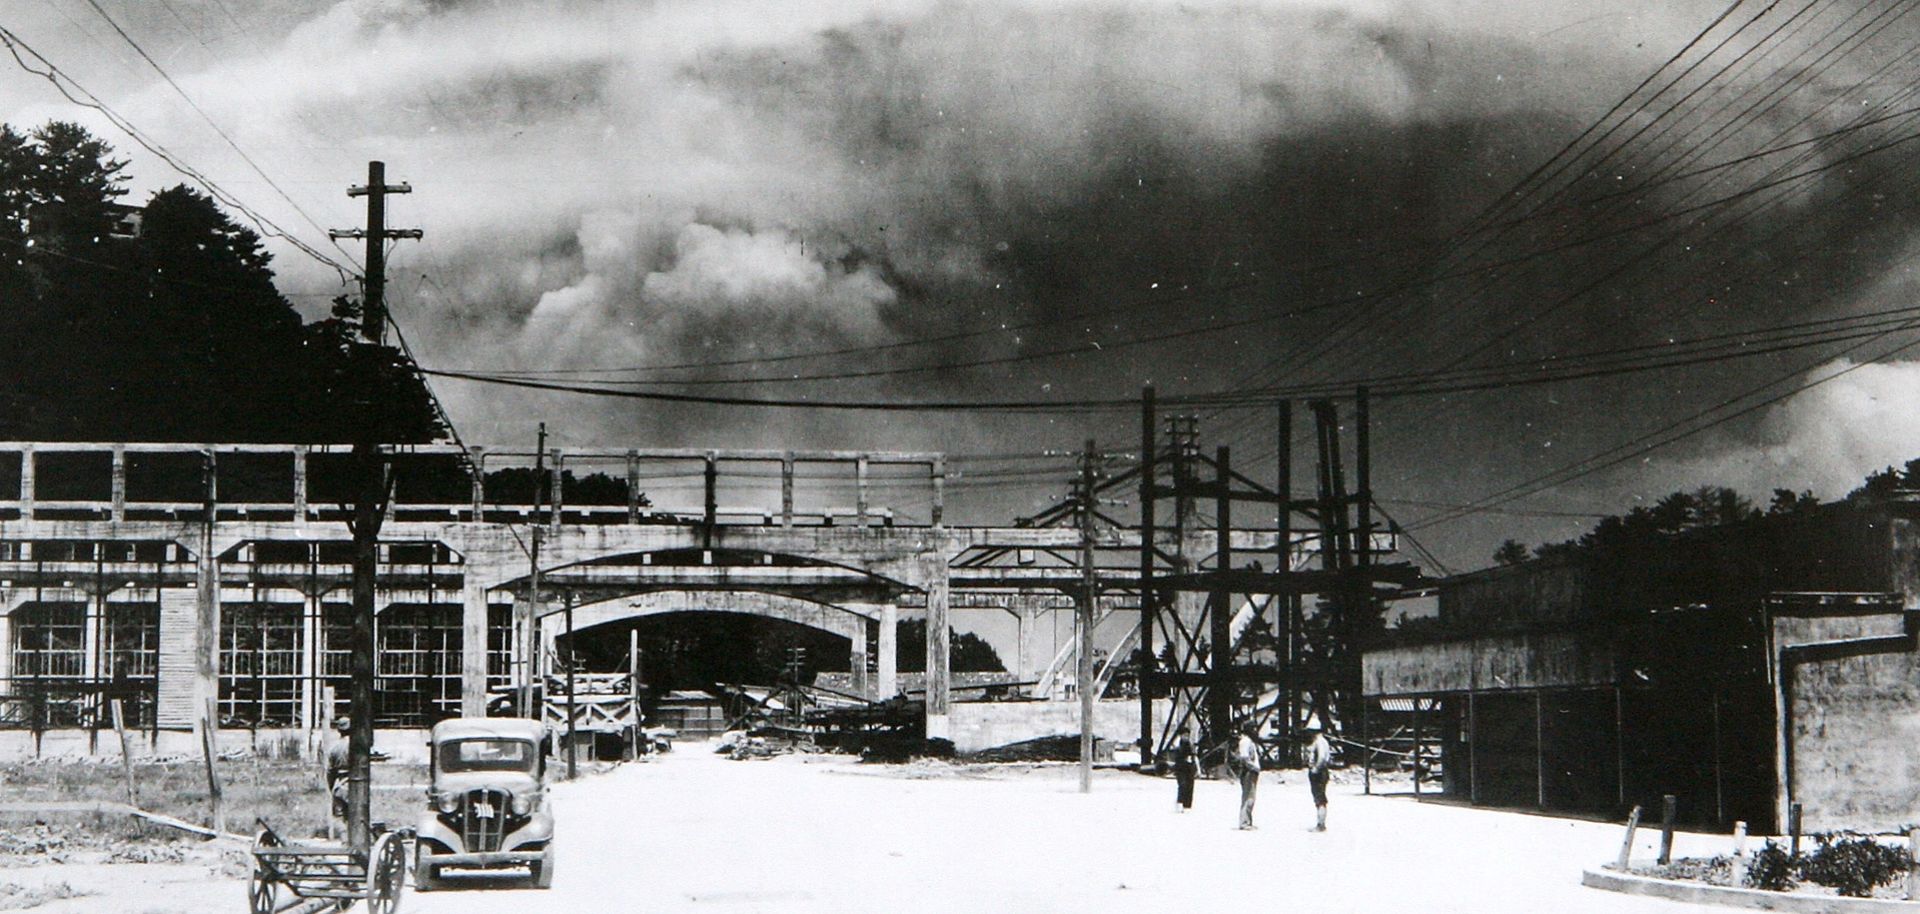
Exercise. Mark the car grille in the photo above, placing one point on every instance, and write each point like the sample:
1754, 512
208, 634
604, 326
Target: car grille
482, 833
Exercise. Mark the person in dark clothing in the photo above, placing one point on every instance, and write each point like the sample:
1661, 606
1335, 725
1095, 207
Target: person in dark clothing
1319, 757
337, 769
1185, 766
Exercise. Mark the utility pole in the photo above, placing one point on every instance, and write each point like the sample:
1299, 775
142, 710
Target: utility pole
573, 751
1083, 610
370, 499
1149, 665
529, 634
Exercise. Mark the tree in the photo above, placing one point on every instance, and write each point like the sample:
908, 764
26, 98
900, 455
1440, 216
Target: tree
967, 652
173, 333
1510, 552
1786, 501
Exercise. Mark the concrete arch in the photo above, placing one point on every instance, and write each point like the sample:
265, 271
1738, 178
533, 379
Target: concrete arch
676, 566
849, 621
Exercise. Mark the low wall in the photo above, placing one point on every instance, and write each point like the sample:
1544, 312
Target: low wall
400, 745
979, 725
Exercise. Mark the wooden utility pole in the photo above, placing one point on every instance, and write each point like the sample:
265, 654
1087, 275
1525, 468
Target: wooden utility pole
530, 639
573, 750
1084, 611
1149, 665
370, 499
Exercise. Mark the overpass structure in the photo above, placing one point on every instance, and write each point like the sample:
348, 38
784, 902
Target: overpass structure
180, 577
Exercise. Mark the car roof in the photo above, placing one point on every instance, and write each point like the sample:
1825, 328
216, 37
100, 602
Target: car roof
489, 727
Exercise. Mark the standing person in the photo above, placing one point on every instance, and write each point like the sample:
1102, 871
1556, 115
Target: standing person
1244, 759
1185, 766
337, 768
1319, 755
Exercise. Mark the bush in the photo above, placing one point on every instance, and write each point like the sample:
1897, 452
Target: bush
1771, 869
1853, 865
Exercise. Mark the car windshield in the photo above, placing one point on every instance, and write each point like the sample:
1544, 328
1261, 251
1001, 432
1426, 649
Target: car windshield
486, 755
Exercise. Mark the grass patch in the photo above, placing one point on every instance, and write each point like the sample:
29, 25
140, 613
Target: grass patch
288, 793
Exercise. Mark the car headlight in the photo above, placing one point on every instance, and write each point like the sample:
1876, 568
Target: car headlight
523, 803
447, 802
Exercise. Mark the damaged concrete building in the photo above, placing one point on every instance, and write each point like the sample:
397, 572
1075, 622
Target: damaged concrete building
1744, 669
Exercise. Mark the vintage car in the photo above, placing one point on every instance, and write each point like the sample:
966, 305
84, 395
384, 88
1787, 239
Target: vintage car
487, 803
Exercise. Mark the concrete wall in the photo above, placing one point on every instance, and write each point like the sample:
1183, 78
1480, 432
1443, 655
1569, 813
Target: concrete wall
1545, 593
986, 724
1855, 728
1488, 664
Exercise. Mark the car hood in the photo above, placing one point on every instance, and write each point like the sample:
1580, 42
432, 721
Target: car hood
463, 781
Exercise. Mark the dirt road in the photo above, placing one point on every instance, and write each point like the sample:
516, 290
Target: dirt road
695, 832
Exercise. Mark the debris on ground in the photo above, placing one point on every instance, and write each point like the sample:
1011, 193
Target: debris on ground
1043, 749
19, 897
765, 742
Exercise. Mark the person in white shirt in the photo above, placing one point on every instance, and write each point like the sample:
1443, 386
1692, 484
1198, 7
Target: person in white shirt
1244, 759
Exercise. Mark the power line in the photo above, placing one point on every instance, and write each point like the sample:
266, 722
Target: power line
1620, 360
1633, 448
182, 92
67, 86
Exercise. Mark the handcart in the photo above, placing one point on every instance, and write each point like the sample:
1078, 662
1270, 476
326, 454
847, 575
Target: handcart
287, 874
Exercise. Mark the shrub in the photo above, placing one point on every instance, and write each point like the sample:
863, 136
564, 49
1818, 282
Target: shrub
1771, 869
1853, 865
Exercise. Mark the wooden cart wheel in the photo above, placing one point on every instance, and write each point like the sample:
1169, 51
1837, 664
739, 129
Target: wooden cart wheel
260, 894
386, 874
260, 884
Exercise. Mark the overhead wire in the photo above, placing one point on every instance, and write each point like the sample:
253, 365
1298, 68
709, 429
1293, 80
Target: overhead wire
217, 129
67, 86
1665, 435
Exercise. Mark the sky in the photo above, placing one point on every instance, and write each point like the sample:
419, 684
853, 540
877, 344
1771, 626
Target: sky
1080, 198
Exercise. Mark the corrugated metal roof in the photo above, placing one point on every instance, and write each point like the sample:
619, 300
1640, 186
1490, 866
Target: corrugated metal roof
1407, 704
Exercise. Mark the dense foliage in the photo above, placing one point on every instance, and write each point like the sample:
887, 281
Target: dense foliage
1852, 865
1772, 869
969, 652
163, 323
1707, 506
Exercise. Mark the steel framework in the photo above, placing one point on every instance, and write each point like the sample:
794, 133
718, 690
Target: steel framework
1240, 646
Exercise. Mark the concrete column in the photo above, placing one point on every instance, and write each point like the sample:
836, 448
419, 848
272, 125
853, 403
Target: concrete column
857, 656
527, 658
860, 490
558, 460
933, 569
886, 675
1023, 648
119, 483
26, 481
300, 487
92, 636
310, 710
473, 646
477, 491
9, 601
